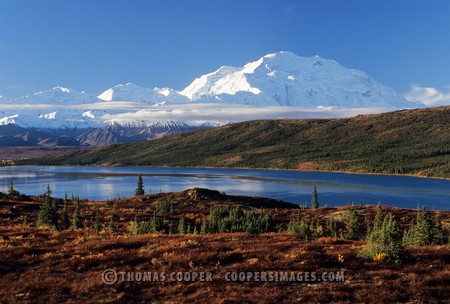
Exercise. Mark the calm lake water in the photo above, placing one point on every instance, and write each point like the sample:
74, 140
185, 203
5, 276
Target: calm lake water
335, 189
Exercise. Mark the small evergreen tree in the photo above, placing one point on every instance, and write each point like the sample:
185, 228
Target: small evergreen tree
65, 222
437, 232
111, 224
352, 224
164, 206
384, 242
12, 193
378, 220
97, 224
299, 226
188, 229
77, 221
47, 216
136, 227
140, 186
424, 231
423, 228
314, 200
204, 227
11, 188
181, 226
331, 226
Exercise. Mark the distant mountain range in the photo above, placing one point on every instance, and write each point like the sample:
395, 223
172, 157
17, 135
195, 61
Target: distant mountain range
400, 142
113, 133
279, 79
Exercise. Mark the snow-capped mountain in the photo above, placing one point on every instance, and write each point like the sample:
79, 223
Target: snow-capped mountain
52, 118
289, 80
132, 92
129, 112
57, 96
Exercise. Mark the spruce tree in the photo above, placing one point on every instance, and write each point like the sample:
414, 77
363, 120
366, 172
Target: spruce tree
111, 224
181, 226
384, 242
314, 200
204, 227
65, 222
437, 232
378, 220
47, 216
188, 229
352, 224
12, 193
77, 221
151, 225
408, 235
299, 226
97, 225
140, 186
11, 188
331, 226
422, 231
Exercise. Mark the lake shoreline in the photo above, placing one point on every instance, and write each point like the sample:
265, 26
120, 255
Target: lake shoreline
247, 168
295, 186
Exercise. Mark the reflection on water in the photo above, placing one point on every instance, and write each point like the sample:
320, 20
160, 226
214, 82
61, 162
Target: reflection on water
100, 183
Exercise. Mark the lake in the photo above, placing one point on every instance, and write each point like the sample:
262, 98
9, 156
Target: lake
335, 189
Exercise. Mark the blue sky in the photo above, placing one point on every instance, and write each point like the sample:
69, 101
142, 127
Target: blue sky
94, 44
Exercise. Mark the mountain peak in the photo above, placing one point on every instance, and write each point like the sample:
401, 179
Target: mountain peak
61, 89
286, 79
280, 54
133, 92
57, 96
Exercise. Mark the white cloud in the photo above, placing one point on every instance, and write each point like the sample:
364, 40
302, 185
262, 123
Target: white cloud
234, 113
129, 112
428, 95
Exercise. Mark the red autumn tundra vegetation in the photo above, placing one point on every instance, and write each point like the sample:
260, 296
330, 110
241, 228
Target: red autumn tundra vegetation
65, 264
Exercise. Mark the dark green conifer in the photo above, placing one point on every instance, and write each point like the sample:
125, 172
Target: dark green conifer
111, 224
140, 186
423, 228
384, 242
204, 227
188, 229
97, 224
437, 232
65, 222
12, 193
314, 200
47, 216
352, 224
181, 226
77, 221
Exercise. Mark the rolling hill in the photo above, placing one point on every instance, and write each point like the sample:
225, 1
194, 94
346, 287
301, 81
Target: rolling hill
415, 142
